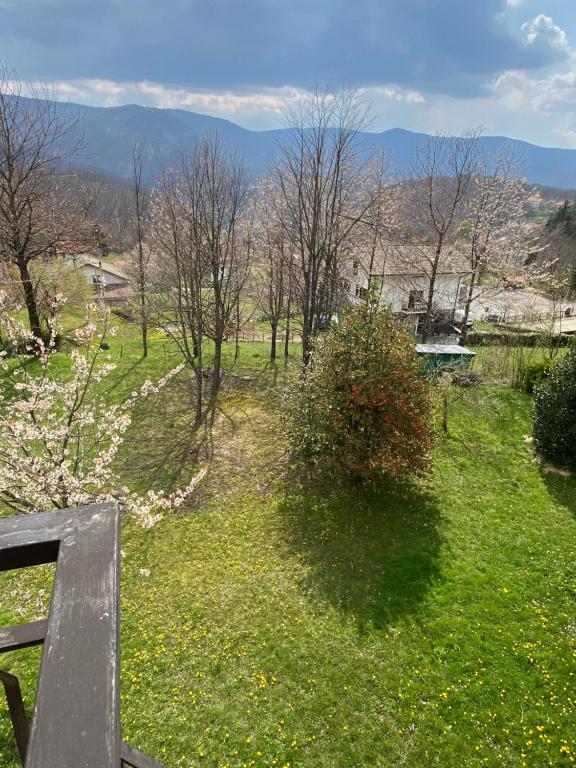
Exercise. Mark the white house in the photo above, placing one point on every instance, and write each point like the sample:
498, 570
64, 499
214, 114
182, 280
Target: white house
110, 282
103, 275
400, 276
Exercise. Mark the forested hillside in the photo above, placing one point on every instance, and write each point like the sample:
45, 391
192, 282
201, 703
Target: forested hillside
560, 234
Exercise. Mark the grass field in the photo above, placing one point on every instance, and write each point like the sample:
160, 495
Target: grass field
303, 627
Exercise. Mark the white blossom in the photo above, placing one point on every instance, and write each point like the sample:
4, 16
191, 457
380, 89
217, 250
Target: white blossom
58, 437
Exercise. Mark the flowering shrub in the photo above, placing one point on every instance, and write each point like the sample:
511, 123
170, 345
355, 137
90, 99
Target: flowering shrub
58, 436
554, 420
362, 409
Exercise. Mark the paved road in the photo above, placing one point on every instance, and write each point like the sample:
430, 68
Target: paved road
510, 304
529, 308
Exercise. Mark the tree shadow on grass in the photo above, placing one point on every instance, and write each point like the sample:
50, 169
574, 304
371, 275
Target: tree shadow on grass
562, 488
163, 446
372, 554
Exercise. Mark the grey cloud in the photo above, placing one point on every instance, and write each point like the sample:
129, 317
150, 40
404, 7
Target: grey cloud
442, 46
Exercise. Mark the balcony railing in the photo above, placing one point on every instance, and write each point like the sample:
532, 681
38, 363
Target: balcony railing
76, 718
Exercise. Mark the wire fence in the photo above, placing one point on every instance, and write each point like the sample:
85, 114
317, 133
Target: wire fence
247, 335
528, 318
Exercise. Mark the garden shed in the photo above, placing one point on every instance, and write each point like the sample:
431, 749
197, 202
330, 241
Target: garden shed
438, 355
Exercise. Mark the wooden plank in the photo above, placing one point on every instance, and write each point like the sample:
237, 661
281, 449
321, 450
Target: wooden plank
22, 635
76, 720
133, 757
27, 540
17, 713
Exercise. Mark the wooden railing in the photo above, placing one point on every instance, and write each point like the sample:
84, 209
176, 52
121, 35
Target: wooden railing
76, 718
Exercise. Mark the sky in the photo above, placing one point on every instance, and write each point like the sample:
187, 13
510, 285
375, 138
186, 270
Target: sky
508, 66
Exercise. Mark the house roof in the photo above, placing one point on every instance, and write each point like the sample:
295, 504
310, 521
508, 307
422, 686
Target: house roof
393, 259
105, 266
443, 349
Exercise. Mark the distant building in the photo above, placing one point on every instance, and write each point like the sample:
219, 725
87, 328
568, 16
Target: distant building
103, 275
400, 276
110, 282
535, 201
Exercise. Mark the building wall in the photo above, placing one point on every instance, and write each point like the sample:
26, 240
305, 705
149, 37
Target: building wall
395, 289
107, 278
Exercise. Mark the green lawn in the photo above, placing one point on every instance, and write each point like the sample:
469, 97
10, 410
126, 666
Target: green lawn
283, 625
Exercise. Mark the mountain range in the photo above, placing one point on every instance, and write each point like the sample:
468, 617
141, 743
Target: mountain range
164, 134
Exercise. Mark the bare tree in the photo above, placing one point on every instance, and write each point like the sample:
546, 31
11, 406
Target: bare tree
559, 291
273, 300
440, 178
141, 256
289, 303
111, 208
217, 190
202, 243
377, 231
318, 178
273, 252
177, 303
37, 211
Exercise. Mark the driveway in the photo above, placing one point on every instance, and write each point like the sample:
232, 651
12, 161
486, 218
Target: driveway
526, 306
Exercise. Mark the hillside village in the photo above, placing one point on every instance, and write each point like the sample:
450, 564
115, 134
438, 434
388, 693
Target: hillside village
400, 277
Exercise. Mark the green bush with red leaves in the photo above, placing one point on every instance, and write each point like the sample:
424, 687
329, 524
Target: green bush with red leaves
363, 409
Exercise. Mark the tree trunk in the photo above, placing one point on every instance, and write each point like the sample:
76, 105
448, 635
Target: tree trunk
469, 297
430, 302
273, 343
237, 333
199, 390
144, 326
30, 299
307, 323
216, 368
287, 333
306, 346
289, 310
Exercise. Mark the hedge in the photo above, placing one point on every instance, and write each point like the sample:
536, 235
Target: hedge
554, 419
499, 339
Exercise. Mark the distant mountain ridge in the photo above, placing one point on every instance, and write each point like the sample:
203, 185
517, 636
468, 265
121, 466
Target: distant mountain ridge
164, 134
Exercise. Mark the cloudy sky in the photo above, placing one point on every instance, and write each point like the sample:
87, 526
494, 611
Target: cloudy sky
508, 65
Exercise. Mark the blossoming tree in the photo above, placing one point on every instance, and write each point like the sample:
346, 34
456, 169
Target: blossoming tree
58, 436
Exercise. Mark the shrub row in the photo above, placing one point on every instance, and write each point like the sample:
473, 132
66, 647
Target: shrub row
531, 339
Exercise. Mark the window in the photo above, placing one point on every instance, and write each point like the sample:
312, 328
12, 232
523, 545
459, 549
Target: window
414, 298
355, 267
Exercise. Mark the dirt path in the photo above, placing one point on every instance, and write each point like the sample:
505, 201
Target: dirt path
247, 446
